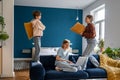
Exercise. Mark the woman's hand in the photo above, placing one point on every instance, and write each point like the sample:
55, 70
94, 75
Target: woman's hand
81, 33
69, 61
58, 58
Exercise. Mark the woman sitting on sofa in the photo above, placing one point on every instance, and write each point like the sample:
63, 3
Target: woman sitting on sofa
62, 62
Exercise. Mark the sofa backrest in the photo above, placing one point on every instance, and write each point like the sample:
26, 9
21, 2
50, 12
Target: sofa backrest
48, 61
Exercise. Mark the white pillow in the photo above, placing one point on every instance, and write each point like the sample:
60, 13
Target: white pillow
49, 50
45, 50
54, 49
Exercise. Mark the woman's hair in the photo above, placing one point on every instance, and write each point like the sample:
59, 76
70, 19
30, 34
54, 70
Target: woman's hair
36, 13
65, 41
90, 17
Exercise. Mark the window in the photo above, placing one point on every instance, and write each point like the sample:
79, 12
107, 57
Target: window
99, 21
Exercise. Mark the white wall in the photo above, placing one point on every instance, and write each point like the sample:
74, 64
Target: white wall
0, 7
112, 21
7, 57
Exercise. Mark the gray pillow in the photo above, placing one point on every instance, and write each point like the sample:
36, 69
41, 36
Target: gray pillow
94, 61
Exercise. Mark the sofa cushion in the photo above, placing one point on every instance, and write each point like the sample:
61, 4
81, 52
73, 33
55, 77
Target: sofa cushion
53, 74
96, 73
48, 62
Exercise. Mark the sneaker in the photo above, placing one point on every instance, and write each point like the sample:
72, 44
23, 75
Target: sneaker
38, 62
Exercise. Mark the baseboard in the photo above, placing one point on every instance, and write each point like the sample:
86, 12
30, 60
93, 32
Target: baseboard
8, 75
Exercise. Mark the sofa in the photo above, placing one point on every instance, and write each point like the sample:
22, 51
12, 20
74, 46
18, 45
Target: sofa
46, 70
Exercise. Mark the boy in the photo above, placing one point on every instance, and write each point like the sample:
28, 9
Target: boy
38, 29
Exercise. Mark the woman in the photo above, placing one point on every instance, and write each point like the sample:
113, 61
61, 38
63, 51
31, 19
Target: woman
62, 62
89, 34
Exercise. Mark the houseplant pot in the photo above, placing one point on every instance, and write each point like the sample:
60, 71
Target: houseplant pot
4, 36
101, 45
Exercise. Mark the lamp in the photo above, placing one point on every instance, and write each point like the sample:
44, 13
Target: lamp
77, 18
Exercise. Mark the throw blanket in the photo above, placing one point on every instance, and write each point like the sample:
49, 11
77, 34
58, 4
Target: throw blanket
111, 66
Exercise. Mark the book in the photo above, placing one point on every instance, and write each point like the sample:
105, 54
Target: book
78, 28
28, 29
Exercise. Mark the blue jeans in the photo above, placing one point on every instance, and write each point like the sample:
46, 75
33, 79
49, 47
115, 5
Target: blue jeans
91, 43
37, 44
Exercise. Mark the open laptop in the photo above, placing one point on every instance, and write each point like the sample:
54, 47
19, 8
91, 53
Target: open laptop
80, 62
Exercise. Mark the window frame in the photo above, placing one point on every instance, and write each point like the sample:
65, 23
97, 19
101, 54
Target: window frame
93, 12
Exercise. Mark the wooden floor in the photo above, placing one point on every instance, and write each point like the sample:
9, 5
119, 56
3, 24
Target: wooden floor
19, 75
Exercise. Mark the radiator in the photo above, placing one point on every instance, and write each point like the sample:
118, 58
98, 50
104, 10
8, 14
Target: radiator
21, 63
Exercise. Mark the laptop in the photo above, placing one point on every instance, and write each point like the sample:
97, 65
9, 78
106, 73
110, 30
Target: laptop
81, 61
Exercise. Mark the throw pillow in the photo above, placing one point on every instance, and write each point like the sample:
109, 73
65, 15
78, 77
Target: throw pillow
78, 28
29, 29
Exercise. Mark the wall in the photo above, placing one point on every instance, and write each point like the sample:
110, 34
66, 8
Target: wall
112, 18
7, 56
0, 7
57, 21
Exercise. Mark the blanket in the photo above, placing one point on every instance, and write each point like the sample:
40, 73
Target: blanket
111, 66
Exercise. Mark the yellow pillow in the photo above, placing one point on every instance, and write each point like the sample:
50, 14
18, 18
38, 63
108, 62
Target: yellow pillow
78, 28
29, 29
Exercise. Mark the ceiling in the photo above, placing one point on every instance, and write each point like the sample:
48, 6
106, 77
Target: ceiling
71, 4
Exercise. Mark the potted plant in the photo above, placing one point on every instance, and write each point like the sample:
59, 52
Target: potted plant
112, 52
101, 45
3, 35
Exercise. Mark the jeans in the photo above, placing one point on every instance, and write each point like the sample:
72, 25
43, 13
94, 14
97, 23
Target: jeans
91, 43
37, 44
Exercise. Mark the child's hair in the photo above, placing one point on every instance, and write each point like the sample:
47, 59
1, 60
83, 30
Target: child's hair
90, 17
36, 13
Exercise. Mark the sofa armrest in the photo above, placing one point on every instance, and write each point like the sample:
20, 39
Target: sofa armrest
37, 71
